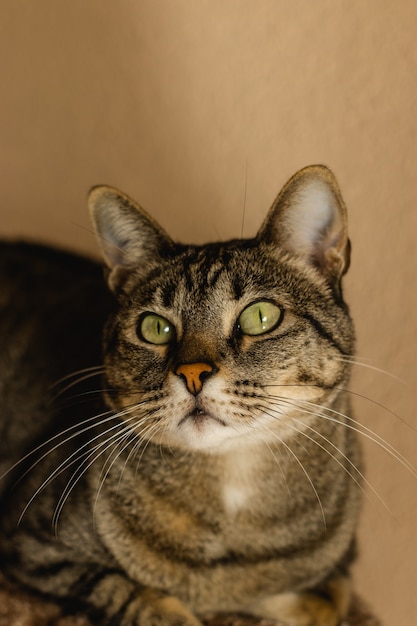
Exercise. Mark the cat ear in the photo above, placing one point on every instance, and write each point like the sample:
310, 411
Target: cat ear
129, 238
309, 219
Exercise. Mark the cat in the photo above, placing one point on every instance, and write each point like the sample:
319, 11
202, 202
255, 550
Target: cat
177, 441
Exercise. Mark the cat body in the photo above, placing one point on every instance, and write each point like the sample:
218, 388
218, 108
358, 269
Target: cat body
201, 460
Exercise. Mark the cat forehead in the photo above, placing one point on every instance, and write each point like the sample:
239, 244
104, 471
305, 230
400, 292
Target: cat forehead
200, 270
201, 277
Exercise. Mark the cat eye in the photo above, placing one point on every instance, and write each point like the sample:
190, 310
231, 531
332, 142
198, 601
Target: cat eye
155, 329
259, 318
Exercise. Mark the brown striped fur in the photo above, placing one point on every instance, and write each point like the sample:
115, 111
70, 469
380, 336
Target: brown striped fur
214, 472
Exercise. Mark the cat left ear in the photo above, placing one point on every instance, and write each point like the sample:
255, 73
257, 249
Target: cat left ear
309, 220
129, 238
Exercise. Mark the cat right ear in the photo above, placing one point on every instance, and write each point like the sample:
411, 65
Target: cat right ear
129, 238
309, 220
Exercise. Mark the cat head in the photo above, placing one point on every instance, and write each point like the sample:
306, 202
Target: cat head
227, 342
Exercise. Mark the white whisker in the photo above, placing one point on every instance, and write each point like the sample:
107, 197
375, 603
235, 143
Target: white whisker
93, 422
96, 368
278, 463
282, 442
342, 454
74, 383
359, 428
76, 454
356, 361
368, 433
93, 454
126, 431
129, 435
147, 440
358, 395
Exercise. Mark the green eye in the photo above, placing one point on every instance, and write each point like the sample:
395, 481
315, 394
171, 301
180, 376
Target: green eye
155, 329
259, 318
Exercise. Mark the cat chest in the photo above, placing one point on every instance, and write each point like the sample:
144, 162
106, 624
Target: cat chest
249, 487
200, 562
157, 530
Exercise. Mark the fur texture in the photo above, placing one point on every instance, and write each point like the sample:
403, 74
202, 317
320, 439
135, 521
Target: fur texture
206, 462
19, 608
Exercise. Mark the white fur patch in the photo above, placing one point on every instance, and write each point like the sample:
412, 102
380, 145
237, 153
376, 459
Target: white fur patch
316, 209
236, 497
240, 475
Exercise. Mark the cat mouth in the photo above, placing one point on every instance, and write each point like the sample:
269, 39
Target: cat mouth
199, 418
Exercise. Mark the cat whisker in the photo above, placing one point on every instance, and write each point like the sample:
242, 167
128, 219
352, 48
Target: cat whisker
353, 466
369, 434
277, 461
358, 428
127, 433
380, 406
74, 383
95, 453
139, 441
82, 398
95, 368
357, 395
91, 456
356, 361
75, 456
143, 438
347, 391
242, 228
130, 435
147, 442
287, 447
93, 422
63, 466
338, 450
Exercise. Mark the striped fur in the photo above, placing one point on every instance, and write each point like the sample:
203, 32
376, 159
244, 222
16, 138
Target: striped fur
147, 503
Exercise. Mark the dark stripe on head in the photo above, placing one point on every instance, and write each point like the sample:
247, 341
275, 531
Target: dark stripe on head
324, 334
237, 288
214, 277
167, 294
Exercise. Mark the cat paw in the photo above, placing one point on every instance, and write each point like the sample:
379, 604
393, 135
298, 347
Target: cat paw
292, 610
161, 611
299, 609
322, 608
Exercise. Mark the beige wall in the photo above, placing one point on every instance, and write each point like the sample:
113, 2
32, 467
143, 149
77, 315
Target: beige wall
181, 103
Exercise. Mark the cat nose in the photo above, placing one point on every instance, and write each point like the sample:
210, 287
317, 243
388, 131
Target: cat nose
194, 375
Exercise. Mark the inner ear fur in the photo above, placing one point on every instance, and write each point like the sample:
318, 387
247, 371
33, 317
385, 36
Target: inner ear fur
129, 238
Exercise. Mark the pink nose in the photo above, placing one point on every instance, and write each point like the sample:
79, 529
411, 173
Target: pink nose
194, 374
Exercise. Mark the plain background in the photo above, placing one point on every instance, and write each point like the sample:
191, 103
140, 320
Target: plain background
201, 109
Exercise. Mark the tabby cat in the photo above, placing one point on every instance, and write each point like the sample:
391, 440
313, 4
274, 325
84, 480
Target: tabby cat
179, 443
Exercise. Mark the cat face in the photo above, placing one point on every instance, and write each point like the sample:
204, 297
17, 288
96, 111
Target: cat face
230, 343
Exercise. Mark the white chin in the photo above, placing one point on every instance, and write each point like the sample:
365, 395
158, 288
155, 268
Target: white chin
204, 433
